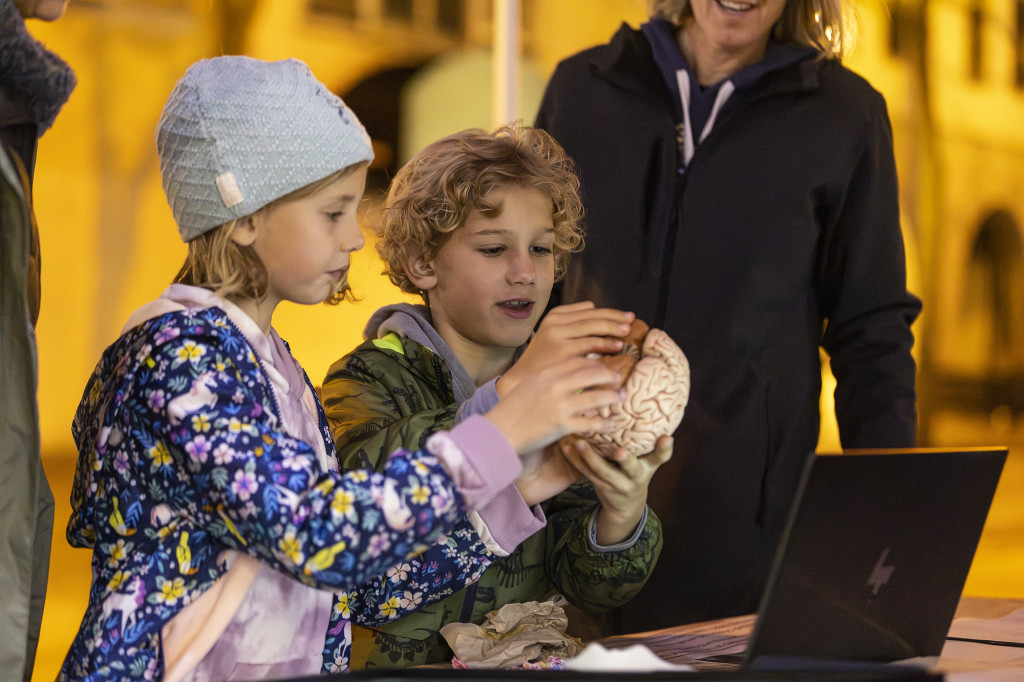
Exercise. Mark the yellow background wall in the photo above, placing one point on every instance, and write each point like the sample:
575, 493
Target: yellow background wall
109, 243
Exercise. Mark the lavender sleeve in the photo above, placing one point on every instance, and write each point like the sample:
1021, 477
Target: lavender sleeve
484, 467
482, 401
478, 457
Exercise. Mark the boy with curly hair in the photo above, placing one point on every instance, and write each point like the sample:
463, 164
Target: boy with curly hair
481, 225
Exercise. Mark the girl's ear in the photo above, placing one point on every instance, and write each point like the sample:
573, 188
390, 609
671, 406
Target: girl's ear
420, 273
244, 231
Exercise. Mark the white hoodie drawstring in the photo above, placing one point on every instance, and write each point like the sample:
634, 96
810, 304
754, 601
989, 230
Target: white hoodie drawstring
724, 92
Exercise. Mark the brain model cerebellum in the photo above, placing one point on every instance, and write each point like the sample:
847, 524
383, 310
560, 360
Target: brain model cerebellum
657, 385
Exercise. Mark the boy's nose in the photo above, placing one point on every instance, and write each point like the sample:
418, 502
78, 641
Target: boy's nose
521, 270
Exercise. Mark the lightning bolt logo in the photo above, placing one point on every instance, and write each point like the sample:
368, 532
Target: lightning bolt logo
881, 573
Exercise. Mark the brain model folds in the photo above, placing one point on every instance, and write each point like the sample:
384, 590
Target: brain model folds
657, 385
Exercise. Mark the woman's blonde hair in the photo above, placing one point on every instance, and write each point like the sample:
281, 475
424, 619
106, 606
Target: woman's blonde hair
433, 194
215, 262
807, 23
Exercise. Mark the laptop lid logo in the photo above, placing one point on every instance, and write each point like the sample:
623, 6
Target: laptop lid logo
881, 573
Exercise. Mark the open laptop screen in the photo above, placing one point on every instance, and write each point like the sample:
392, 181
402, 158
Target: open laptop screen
875, 554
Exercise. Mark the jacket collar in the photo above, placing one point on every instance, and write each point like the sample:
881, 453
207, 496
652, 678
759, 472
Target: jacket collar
628, 62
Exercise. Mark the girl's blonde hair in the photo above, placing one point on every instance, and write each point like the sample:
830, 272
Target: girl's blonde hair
215, 262
807, 23
433, 194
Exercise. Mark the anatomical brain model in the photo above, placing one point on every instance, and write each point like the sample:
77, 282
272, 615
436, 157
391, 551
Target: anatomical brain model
657, 384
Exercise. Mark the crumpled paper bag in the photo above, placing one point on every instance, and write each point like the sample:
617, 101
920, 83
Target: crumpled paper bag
514, 636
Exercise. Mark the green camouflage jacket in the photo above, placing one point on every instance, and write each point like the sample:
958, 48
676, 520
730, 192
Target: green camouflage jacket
393, 392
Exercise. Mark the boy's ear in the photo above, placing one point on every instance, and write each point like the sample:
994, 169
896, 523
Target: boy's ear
244, 231
420, 273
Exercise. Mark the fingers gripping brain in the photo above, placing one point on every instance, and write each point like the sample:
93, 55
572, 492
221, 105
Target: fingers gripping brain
657, 385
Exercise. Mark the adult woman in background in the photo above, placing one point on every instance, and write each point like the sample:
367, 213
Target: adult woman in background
741, 194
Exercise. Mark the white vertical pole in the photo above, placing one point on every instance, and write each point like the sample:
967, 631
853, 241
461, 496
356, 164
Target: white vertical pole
505, 62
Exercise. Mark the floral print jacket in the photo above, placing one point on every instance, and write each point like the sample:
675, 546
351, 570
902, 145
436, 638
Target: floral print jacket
181, 460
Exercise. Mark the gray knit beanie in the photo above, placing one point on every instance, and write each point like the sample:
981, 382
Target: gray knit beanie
238, 133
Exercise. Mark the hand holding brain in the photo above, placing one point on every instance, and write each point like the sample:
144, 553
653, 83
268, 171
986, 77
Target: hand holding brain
657, 386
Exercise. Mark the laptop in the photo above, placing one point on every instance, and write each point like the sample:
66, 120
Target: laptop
875, 554
869, 570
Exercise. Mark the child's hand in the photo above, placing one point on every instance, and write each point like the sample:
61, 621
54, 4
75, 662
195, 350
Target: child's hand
568, 331
545, 474
620, 482
553, 402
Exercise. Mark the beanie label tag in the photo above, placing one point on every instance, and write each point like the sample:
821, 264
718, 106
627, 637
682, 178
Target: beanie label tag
230, 194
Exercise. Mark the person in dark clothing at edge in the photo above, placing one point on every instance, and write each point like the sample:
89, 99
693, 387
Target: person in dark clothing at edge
34, 85
741, 194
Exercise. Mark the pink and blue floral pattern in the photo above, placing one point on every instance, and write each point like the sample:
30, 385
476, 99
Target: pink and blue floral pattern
181, 459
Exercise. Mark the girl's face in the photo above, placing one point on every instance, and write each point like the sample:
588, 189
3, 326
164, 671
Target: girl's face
490, 282
305, 244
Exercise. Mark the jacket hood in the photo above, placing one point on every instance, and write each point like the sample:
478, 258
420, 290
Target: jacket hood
414, 322
30, 73
112, 379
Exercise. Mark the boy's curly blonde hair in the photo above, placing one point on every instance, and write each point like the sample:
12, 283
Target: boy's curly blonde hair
432, 195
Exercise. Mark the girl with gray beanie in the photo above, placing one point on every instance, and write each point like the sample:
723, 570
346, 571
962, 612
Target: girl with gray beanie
226, 544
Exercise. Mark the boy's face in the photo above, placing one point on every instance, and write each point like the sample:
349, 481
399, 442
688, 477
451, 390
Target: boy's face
305, 244
490, 283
